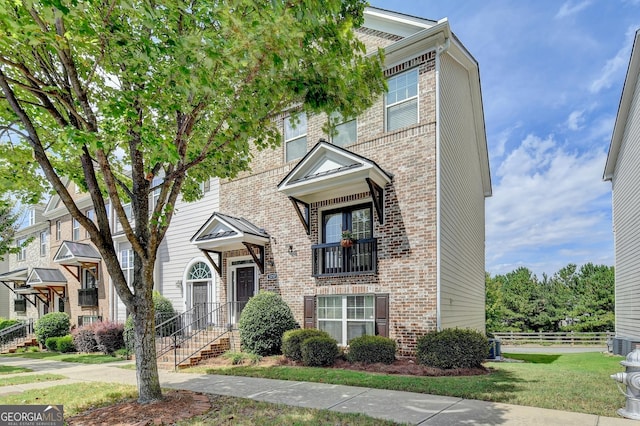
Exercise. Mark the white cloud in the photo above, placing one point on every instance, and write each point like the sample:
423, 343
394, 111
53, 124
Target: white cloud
570, 8
575, 120
548, 198
614, 66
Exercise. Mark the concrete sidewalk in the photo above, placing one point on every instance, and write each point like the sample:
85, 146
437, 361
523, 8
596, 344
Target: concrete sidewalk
401, 407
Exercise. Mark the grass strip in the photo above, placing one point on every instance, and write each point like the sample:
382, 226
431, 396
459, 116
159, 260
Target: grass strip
31, 378
10, 369
56, 356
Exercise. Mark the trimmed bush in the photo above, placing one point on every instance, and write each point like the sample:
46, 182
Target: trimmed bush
108, 336
164, 311
53, 324
292, 341
319, 351
262, 323
51, 344
84, 339
65, 344
103, 336
372, 349
452, 348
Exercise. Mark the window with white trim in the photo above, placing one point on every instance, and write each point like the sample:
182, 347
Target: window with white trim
89, 277
58, 230
76, 230
32, 217
126, 264
91, 214
402, 100
22, 254
295, 137
346, 130
43, 243
346, 317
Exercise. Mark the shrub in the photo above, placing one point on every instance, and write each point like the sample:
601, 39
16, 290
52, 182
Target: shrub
84, 339
319, 351
164, 311
53, 324
51, 344
6, 323
452, 348
372, 349
292, 341
65, 344
108, 336
262, 323
128, 335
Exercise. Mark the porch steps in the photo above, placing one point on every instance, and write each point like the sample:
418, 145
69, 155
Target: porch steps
215, 348
19, 344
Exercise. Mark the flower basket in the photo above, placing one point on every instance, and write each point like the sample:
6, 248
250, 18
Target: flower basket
347, 239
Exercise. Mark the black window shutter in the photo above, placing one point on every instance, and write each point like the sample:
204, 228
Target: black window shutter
309, 312
382, 315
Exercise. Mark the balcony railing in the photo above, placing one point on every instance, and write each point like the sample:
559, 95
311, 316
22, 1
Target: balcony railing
20, 305
88, 297
331, 259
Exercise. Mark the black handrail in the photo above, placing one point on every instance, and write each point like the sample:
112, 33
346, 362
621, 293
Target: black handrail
332, 259
11, 336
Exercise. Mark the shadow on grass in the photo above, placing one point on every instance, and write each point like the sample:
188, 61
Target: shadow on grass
535, 358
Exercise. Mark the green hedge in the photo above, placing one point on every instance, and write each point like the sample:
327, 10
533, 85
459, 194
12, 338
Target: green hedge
319, 351
372, 349
452, 348
53, 324
60, 344
292, 341
263, 321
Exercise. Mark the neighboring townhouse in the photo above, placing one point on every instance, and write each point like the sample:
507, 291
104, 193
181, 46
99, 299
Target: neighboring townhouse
4, 289
407, 179
35, 288
623, 170
182, 273
89, 295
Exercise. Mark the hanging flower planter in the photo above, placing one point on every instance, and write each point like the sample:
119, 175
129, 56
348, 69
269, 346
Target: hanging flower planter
347, 239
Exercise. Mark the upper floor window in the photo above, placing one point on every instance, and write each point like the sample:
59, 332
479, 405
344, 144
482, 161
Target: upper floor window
43, 243
345, 131
402, 100
155, 183
58, 230
76, 230
22, 254
32, 217
91, 214
126, 263
89, 277
295, 137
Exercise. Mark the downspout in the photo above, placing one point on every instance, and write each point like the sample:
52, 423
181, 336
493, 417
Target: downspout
442, 48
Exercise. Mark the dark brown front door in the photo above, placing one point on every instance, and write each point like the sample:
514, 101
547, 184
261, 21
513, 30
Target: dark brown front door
200, 304
245, 287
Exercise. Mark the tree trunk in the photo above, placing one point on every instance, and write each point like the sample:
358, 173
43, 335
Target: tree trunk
145, 342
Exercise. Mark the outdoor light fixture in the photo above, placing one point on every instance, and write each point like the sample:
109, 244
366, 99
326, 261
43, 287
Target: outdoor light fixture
290, 248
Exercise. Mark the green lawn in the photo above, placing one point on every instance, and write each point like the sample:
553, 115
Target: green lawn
572, 382
71, 357
8, 369
30, 378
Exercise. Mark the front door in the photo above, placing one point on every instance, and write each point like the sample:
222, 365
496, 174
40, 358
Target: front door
245, 286
200, 304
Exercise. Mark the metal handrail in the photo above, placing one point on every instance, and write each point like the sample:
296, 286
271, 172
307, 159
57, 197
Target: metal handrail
11, 336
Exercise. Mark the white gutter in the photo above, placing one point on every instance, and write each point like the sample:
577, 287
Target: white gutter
439, 50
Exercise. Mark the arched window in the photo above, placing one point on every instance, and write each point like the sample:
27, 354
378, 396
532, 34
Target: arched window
199, 271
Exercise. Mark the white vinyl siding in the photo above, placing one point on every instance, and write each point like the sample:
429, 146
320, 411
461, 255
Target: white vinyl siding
295, 137
462, 294
402, 100
626, 206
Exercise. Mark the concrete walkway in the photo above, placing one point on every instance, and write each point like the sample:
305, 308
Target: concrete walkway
401, 407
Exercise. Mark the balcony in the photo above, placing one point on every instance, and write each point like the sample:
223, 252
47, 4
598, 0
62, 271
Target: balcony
88, 297
20, 305
331, 259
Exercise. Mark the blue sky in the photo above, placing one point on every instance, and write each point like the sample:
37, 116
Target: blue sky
552, 73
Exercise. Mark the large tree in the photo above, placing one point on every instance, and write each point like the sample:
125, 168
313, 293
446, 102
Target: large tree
9, 224
117, 95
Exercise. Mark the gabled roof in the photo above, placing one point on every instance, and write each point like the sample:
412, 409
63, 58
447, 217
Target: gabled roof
15, 275
40, 277
75, 254
329, 171
223, 232
626, 99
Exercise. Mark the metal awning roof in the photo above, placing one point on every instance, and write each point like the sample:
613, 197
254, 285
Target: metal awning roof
15, 275
76, 254
46, 277
222, 232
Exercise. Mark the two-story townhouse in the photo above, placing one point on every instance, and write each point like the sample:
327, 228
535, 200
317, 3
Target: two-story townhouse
407, 179
88, 293
182, 273
35, 287
623, 170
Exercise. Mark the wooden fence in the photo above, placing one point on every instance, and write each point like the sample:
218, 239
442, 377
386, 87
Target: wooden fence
557, 338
